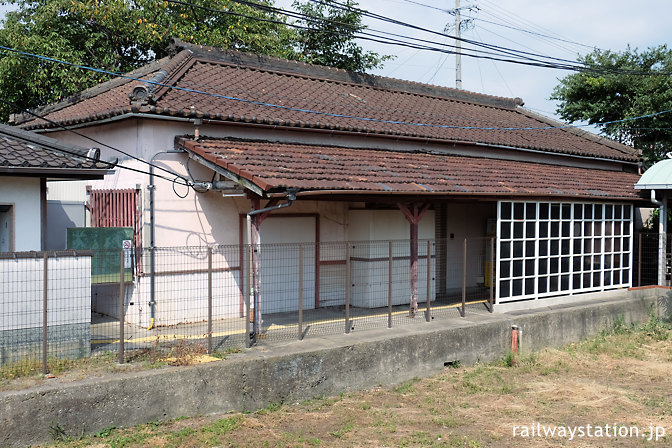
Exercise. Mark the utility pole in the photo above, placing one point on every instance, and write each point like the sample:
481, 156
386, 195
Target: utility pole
458, 47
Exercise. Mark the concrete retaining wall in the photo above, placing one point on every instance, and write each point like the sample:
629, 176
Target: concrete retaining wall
298, 371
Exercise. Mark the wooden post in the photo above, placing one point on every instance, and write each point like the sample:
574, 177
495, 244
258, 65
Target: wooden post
122, 300
413, 217
45, 299
209, 300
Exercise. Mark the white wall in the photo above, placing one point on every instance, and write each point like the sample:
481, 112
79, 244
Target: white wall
23, 193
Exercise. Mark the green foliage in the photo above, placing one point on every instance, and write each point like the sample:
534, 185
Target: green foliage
603, 95
121, 35
329, 39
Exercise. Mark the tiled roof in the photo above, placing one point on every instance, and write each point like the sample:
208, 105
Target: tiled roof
268, 91
24, 151
277, 166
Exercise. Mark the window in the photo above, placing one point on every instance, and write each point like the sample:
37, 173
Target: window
6, 228
548, 248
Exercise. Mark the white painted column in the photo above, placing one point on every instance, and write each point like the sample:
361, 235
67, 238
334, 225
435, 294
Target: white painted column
662, 241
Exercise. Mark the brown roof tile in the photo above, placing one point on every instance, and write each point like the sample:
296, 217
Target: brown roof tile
277, 166
258, 89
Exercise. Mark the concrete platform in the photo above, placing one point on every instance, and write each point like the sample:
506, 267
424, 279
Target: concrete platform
298, 370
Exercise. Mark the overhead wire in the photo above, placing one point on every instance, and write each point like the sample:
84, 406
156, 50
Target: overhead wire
322, 113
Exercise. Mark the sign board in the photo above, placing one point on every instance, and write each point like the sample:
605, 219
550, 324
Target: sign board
106, 242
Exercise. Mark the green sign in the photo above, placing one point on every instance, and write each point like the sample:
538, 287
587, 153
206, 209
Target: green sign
107, 244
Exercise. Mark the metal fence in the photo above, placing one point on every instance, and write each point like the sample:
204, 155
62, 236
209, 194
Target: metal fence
76, 303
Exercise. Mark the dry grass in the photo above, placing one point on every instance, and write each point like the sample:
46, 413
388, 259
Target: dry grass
621, 376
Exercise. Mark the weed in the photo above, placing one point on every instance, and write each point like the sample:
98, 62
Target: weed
57, 432
407, 387
272, 407
341, 432
105, 432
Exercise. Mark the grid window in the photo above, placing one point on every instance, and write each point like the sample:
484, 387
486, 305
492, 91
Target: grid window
550, 248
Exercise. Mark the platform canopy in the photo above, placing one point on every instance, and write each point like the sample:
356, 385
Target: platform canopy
658, 177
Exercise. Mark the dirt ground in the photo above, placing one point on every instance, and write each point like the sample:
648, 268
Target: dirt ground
615, 382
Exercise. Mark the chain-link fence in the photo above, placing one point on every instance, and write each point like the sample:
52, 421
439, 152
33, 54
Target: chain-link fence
75, 303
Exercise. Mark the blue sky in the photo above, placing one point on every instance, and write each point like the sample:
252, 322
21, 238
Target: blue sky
606, 24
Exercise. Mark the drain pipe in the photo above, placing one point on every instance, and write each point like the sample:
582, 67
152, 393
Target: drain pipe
662, 236
152, 240
254, 280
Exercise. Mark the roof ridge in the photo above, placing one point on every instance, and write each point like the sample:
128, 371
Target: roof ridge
98, 89
290, 67
624, 149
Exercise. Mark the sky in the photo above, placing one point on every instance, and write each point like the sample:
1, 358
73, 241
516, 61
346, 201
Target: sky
604, 24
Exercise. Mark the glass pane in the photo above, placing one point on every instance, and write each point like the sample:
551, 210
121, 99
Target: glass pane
588, 246
587, 281
608, 226
543, 284
517, 229
506, 210
518, 210
543, 229
543, 248
597, 229
607, 262
531, 231
596, 279
626, 244
626, 212
565, 229
587, 263
577, 281
543, 266
555, 229
597, 262
554, 265
518, 287
617, 261
577, 229
504, 269
530, 249
531, 211
504, 288
566, 211
517, 249
505, 250
529, 285
607, 278
564, 264
598, 211
578, 245
617, 244
616, 277
607, 244
626, 260
578, 211
608, 211
555, 211
617, 228
554, 283
518, 268
618, 212
543, 211
565, 247
576, 263
555, 247
587, 228
529, 267
564, 283
588, 211
506, 230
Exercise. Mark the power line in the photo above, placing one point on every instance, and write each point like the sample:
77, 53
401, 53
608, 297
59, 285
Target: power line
328, 114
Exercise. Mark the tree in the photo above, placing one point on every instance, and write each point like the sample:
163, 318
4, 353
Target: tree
619, 86
329, 37
121, 35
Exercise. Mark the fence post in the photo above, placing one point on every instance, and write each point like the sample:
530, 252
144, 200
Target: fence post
122, 299
492, 275
45, 297
464, 277
389, 286
209, 300
300, 291
347, 289
428, 315
247, 295
639, 260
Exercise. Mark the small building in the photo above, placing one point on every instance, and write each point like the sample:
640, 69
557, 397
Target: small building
352, 157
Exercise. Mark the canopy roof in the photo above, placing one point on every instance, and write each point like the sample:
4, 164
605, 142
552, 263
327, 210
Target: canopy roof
658, 177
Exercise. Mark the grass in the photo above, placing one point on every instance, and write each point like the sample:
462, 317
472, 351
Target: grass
591, 382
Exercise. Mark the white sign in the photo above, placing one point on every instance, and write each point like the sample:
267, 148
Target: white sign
127, 245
